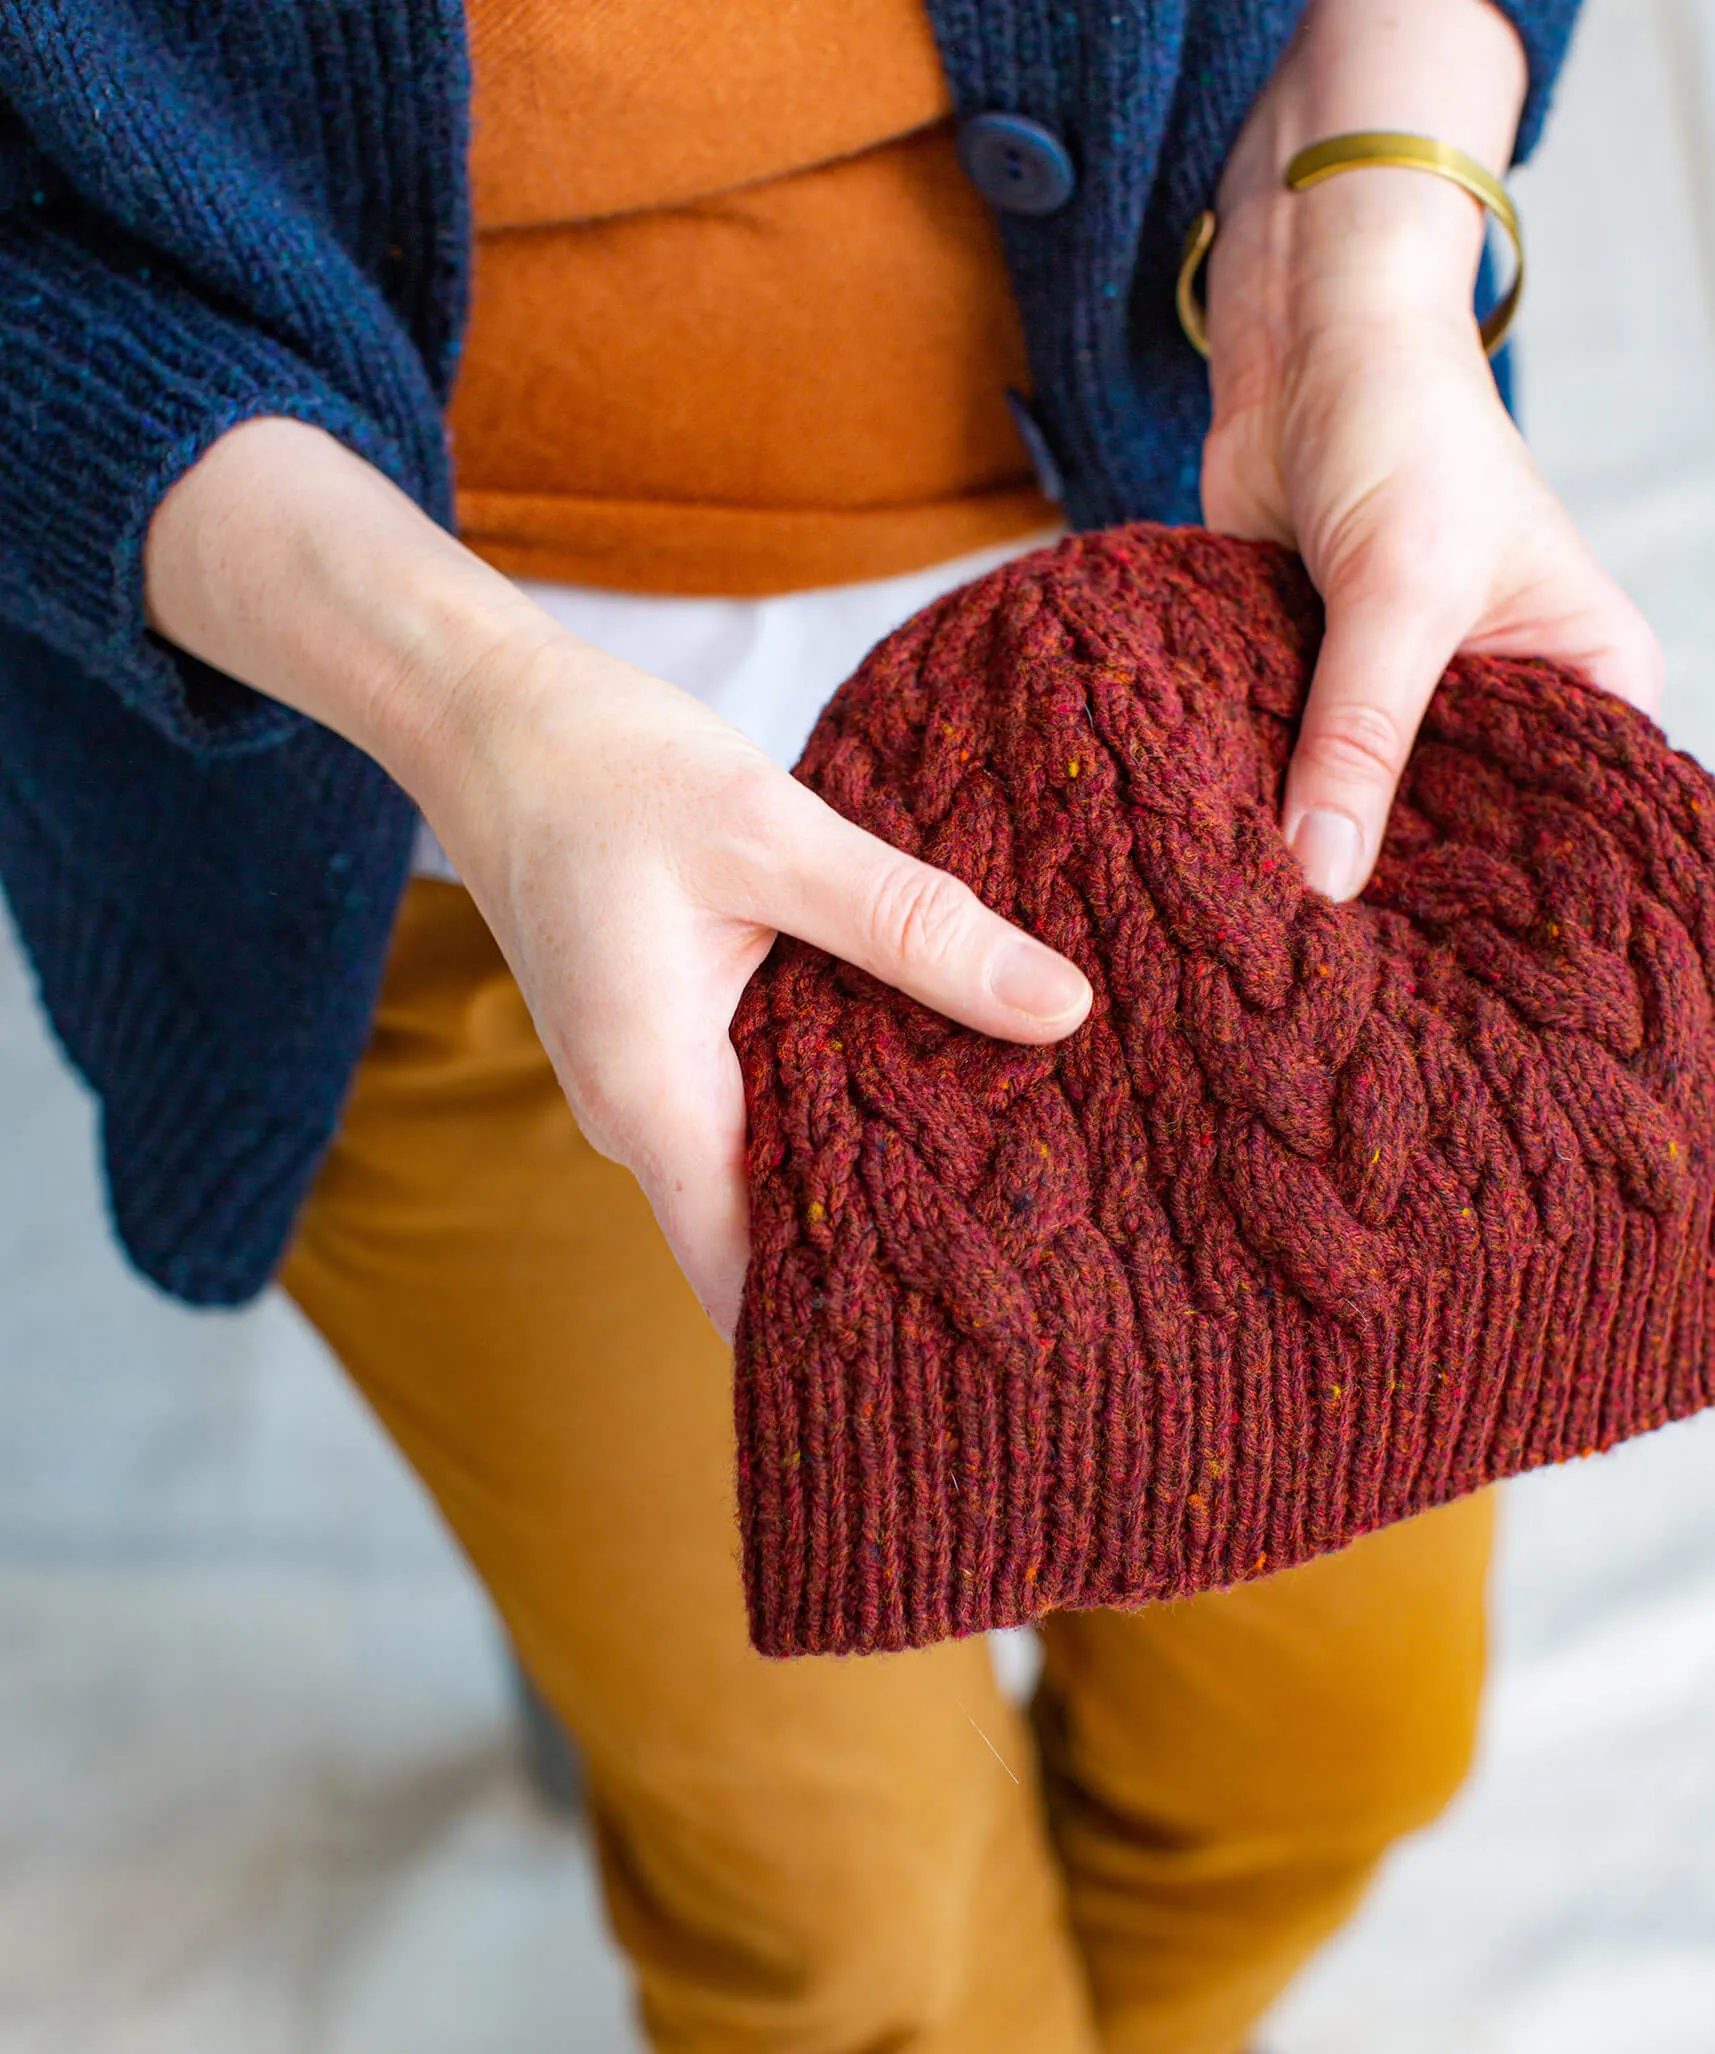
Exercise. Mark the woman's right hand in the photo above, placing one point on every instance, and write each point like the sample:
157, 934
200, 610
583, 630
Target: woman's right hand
634, 854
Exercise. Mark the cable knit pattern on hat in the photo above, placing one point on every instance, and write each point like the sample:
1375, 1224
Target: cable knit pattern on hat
1328, 1214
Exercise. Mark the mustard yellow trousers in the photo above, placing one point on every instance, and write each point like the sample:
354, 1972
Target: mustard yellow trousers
875, 1856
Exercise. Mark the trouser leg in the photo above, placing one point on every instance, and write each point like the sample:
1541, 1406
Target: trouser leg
1224, 1775
817, 1856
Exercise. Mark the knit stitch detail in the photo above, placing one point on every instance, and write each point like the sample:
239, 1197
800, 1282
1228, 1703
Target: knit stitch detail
1328, 1214
234, 1037
190, 285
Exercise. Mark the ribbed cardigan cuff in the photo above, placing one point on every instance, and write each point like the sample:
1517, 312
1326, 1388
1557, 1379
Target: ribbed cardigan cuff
117, 378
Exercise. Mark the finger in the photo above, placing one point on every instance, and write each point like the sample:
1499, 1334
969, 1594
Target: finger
1380, 661
673, 1113
916, 928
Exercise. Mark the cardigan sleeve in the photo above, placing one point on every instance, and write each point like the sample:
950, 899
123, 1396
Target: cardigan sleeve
116, 377
182, 249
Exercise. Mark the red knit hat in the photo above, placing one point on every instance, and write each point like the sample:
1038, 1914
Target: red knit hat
1326, 1215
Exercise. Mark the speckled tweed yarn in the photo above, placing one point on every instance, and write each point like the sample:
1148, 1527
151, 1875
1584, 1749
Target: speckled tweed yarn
1327, 1214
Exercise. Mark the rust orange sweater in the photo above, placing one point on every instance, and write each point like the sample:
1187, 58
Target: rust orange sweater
741, 325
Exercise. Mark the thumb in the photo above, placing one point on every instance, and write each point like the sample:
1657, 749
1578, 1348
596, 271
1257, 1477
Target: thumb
916, 928
1380, 662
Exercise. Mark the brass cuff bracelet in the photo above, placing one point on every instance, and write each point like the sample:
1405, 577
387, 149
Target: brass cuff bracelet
1354, 153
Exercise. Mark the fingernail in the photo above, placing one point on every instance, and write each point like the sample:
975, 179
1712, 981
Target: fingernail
1034, 980
1332, 853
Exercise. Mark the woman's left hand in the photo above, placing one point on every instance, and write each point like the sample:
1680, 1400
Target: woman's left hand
1356, 419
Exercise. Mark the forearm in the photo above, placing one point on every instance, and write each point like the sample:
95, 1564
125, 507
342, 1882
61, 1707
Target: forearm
292, 565
1450, 68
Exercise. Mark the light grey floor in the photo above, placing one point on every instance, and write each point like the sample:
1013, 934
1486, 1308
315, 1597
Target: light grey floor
256, 1783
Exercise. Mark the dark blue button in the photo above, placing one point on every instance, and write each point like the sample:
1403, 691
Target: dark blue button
1017, 165
1049, 480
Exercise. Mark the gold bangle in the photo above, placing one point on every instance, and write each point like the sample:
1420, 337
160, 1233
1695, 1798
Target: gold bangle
1354, 153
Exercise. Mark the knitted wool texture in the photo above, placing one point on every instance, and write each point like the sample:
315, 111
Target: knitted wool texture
213, 212
1327, 1215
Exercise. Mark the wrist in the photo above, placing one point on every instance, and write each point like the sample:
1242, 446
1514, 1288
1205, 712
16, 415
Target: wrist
452, 647
1377, 243
285, 560
1370, 245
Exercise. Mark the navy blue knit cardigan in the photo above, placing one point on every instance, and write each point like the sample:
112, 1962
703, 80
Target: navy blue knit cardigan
215, 209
